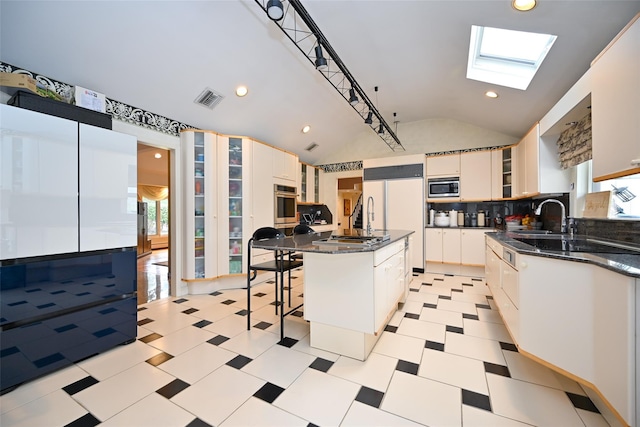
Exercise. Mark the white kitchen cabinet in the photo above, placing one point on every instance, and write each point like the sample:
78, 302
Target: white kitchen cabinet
309, 185
285, 165
445, 165
503, 175
475, 176
108, 189
526, 165
262, 195
472, 245
442, 245
615, 110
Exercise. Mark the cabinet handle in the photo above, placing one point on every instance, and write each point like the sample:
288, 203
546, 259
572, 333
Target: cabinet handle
523, 264
635, 162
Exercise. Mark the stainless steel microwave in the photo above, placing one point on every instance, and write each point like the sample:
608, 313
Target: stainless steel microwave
443, 187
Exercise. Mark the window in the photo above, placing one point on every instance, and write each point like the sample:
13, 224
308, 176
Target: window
157, 216
505, 57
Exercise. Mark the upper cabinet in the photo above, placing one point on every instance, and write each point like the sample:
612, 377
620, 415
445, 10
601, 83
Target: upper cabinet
447, 165
502, 173
615, 110
309, 184
475, 176
285, 165
527, 163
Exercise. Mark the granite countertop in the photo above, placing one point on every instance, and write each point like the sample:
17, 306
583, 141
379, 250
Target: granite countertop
305, 243
462, 227
627, 264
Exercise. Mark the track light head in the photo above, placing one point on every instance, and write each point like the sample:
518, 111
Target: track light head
275, 10
321, 62
353, 99
369, 119
381, 129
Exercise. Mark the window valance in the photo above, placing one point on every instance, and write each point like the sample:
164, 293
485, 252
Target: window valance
153, 192
574, 144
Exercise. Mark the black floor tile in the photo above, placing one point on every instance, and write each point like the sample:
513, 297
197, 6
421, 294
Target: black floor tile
259, 294
370, 397
262, 325
190, 311
439, 279
242, 312
408, 367
180, 301
427, 305
87, 420
455, 329
198, 423
467, 284
476, 400
426, 284
218, 339
288, 342
297, 313
215, 293
508, 346
80, 385
489, 297
312, 425
433, 345
444, 297
159, 359
228, 302
412, 316
151, 337
457, 290
202, 323
414, 290
492, 368
268, 392
485, 306
582, 402
470, 316
449, 275
392, 329
141, 309
144, 321
476, 279
239, 361
322, 365
173, 388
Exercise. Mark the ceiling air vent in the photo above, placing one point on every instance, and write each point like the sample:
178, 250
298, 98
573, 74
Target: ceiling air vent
209, 98
311, 146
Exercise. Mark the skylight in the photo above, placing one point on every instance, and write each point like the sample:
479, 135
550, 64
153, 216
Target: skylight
506, 57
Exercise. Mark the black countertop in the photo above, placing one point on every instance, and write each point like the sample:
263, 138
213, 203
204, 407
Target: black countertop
623, 263
306, 242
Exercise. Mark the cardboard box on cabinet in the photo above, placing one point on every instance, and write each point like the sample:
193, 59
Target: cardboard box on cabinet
11, 82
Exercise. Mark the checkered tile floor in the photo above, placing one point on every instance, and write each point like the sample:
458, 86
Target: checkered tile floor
444, 359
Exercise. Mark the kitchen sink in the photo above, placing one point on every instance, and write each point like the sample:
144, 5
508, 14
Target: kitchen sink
349, 241
568, 244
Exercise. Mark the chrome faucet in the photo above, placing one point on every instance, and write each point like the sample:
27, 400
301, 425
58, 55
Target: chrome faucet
370, 215
563, 226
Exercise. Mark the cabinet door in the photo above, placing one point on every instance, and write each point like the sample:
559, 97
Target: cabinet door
285, 165
448, 165
532, 162
433, 244
615, 108
492, 270
38, 184
472, 247
496, 175
262, 214
507, 306
451, 246
475, 176
108, 189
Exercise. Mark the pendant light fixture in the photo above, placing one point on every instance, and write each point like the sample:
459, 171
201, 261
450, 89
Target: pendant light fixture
353, 99
381, 129
275, 10
321, 61
369, 119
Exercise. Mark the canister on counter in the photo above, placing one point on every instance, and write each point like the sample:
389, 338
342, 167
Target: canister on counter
474, 219
480, 218
460, 219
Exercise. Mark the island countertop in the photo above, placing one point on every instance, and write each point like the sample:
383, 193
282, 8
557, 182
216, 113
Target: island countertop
308, 242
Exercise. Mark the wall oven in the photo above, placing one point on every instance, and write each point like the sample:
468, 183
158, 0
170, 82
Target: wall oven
285, 205
443, 187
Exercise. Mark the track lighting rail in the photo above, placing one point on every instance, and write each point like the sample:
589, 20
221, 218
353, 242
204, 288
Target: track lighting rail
296, 23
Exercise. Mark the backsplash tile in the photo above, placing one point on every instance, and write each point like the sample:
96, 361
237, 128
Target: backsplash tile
621, 230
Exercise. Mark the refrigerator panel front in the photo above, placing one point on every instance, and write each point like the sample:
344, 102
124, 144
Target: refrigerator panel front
38, 184
108, 189
405, 211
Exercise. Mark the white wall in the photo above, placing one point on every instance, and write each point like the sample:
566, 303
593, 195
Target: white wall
424, 136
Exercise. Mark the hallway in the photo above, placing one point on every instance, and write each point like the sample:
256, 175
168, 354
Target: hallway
153, 279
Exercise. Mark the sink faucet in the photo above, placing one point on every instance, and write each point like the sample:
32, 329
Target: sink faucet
370, 215
563, 226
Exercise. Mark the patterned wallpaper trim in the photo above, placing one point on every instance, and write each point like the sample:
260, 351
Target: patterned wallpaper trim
118, 110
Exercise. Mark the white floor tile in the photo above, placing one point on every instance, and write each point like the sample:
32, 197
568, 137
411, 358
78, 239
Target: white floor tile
219, 394
400, 347
182, 340
469, 297
441, 316
118, 359
476, 348
258, 413
296, 329
216, 312
423, 401
229, 326
487, 330
123, 390
412, 307
279, 365
311, 387
304, 347
480, 418
152, 411
195, 364
524, 369
54, 409
396, 318
251, 343
362, 415
375, 372
531, 403
456, 370
424, 330
492, 316
569, 384
164, 325
422, 297
40, 387
459, 306
592, 419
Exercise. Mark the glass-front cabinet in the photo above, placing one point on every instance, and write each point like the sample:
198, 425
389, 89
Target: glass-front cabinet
235, 199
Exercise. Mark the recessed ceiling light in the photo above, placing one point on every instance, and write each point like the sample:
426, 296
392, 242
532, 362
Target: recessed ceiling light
523, 5
241, 91
491, 94
157, 155
306, 129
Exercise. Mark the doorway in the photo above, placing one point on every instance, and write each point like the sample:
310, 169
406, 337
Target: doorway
349, 206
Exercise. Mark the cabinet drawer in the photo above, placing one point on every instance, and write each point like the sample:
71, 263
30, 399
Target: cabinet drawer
510, 284
383, 254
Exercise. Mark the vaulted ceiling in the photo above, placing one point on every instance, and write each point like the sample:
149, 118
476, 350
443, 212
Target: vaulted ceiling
160, 55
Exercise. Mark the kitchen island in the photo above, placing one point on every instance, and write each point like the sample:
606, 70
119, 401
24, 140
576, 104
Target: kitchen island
351, 287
